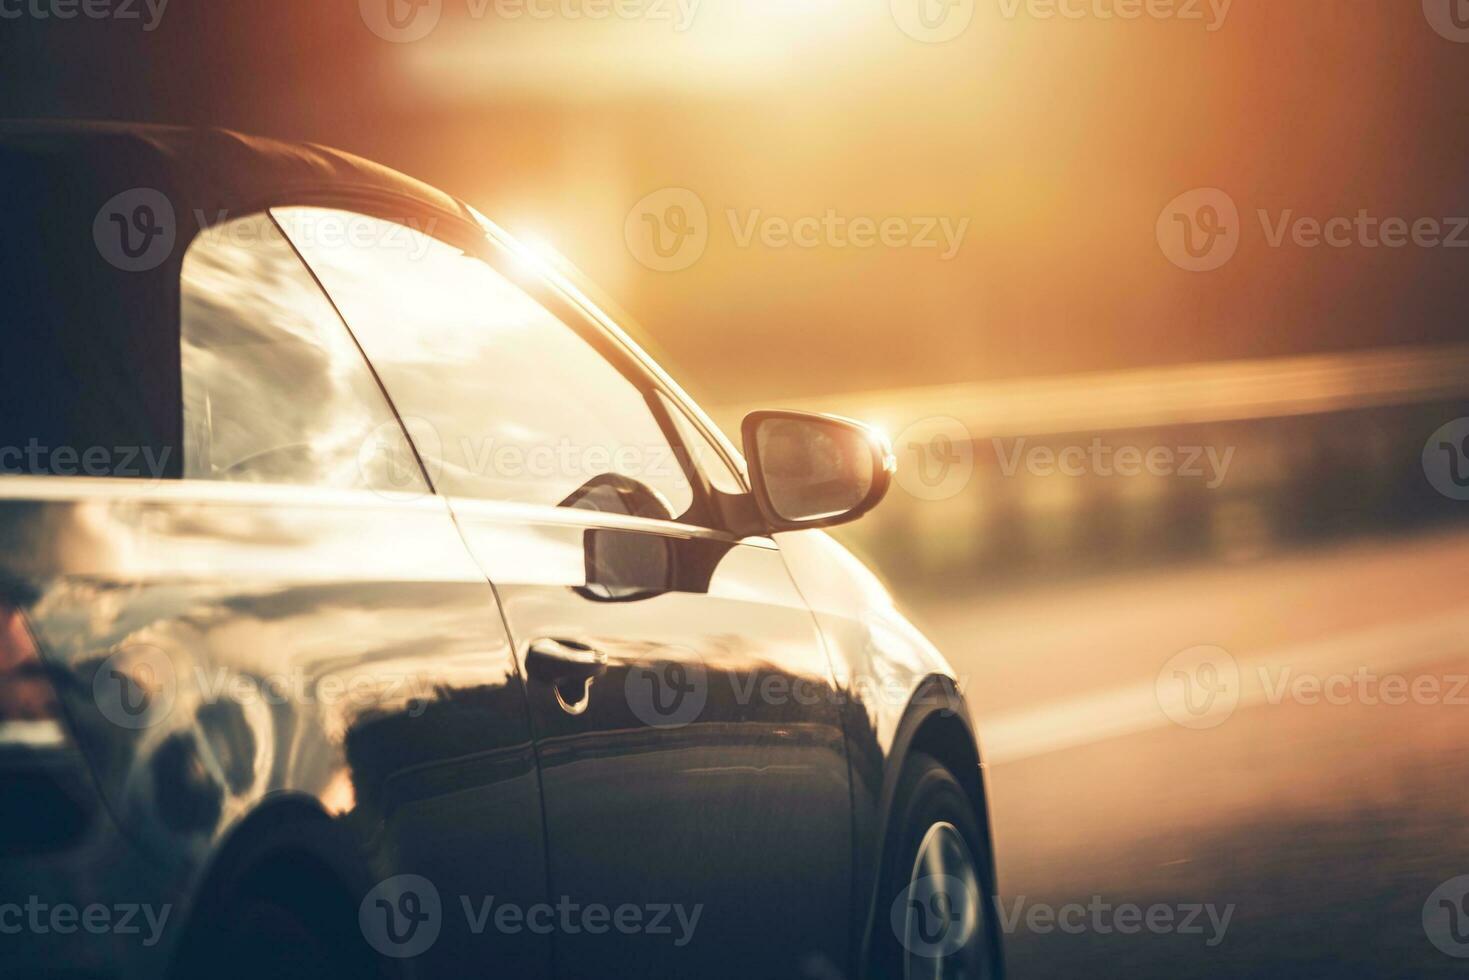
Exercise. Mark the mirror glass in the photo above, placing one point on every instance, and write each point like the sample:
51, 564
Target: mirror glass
814, 468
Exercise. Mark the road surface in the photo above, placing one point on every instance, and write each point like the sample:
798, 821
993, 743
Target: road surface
1293, 825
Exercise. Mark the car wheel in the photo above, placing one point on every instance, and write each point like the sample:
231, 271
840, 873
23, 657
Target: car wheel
935, 916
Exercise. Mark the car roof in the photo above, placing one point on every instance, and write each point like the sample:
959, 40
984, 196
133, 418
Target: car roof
212, 169
98, 337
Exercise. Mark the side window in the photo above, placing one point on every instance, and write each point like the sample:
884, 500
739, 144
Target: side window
504, 401
705, 457
274, 389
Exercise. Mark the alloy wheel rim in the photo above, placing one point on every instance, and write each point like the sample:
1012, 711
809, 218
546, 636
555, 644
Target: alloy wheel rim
944, 922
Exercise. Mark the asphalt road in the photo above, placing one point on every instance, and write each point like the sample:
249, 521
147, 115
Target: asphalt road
1297, 824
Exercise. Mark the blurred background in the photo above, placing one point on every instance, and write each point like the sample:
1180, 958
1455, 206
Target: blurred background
1163, 304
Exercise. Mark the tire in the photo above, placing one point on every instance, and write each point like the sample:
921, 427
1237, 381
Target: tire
935, 915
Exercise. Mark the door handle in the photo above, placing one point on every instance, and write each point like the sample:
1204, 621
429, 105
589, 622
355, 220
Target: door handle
555, 661
569, 667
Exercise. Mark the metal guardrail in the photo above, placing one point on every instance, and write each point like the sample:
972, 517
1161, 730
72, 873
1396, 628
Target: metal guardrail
1155, 397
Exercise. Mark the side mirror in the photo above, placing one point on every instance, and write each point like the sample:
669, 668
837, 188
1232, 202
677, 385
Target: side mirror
815, 470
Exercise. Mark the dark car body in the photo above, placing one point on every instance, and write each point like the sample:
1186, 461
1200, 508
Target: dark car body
248, 670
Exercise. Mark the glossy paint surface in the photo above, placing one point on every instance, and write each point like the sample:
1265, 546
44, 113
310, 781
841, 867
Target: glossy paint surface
707, 766
892, 682
222, 648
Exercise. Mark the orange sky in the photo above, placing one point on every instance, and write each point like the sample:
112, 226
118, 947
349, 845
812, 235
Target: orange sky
1054, 143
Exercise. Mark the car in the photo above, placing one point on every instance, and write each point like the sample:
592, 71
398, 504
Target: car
372, 605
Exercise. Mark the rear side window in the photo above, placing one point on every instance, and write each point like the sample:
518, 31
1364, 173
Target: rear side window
504, 401
274, 388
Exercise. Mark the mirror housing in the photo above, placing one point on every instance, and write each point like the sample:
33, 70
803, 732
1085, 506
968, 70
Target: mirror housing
810, 471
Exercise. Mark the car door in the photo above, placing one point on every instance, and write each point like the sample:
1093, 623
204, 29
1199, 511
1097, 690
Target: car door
296, 618
693, 769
